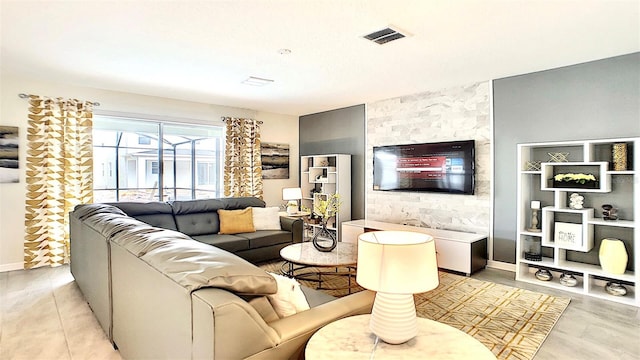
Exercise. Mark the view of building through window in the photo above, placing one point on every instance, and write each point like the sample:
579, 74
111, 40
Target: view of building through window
141, 160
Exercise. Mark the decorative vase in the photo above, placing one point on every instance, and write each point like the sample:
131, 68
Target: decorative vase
613, 256
324, 240
615, 289
533, 248
544, 275
567, 279
619, 153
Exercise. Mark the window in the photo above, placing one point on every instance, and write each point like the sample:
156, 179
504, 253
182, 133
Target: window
141, 160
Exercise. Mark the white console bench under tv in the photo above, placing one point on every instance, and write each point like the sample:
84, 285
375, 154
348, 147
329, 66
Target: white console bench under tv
457, 251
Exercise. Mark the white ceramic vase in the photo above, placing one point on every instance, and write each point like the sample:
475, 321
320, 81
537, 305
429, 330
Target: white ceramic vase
613, 256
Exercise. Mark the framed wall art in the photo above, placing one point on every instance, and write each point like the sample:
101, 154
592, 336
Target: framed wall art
9, 164
275, 161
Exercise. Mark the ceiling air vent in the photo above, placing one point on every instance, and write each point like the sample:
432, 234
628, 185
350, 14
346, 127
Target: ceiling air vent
384, 36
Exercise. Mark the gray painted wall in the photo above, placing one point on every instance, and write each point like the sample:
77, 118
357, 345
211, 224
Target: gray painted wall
339, 131
594, 100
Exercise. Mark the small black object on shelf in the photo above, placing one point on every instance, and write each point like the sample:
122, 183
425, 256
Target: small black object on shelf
533, 256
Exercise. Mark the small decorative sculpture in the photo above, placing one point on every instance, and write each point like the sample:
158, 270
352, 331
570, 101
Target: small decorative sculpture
609, 212
535, 206
558, 157
575, 201
532, 165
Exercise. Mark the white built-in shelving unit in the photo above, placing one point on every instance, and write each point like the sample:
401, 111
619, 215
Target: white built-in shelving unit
618, 188
325, 175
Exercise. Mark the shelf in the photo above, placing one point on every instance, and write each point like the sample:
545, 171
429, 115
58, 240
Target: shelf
586, 242
546, 262
581, 231
617, 223
597, 169
596, 288
554, 283
531, 233
622, 172
326, 175
595, 270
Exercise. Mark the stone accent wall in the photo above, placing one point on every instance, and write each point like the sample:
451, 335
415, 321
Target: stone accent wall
458, 113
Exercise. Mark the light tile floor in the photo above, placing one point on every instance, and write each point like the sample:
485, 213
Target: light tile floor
44, 316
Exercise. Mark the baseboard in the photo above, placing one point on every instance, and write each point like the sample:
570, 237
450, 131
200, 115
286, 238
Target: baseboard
11, 267
501, 265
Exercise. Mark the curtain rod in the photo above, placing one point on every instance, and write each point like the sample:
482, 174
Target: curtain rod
25, 96
225, 118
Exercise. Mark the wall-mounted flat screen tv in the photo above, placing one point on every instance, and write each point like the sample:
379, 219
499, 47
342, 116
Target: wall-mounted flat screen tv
447, 167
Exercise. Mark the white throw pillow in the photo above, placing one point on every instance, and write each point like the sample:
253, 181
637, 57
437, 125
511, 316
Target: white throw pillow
266, 218
289, 299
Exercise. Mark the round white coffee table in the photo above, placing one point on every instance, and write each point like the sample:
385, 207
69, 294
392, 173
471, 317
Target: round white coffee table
303, 261
350, 338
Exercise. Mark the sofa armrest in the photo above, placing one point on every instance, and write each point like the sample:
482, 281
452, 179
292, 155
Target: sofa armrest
227, 327
294, 225
296, 330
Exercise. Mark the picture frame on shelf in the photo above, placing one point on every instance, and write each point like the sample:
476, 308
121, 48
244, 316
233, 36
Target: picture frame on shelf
567, 235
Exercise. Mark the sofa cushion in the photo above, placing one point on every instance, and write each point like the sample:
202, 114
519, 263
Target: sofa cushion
197, 217
232, 243
289, 299
195, 265
236, 221
267, 218
264, 238
233, 203
83, 211
141, 240
158, 214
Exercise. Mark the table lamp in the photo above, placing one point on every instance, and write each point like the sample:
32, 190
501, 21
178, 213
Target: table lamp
292, 195
396, 264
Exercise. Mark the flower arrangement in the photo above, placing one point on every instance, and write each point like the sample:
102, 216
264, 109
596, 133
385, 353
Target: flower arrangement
327, 207
574, 178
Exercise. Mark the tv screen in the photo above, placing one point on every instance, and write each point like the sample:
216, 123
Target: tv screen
447, 167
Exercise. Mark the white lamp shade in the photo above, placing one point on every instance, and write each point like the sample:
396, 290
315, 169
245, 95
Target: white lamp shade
397, 262
291, 194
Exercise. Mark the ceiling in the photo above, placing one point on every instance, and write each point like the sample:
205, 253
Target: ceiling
202, 50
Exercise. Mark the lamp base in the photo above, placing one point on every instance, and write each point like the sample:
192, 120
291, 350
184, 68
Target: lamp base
393, 318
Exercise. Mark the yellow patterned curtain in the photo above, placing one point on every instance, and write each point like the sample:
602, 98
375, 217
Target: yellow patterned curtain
242, 163
59, 175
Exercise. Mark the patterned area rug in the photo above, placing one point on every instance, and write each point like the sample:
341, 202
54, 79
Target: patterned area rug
511, 322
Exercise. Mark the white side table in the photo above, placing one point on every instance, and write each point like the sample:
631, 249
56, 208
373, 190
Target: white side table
350, 338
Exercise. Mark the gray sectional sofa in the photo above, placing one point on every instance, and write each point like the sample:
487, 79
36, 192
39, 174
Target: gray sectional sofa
199, 220
161, 294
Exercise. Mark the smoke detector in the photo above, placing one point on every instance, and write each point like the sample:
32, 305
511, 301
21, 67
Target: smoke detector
385, 35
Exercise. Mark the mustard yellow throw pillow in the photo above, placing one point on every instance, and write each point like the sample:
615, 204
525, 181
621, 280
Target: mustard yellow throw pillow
236, 221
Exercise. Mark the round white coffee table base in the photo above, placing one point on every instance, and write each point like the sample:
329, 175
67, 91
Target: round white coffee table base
350, 338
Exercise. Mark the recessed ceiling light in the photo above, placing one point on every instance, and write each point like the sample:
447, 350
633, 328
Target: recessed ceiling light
256, 81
